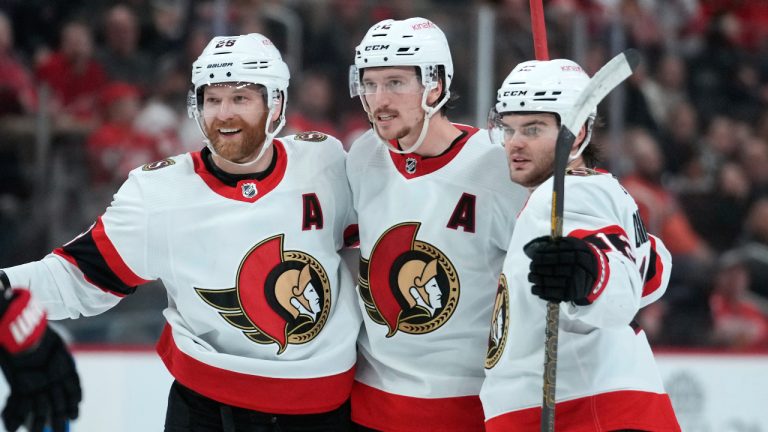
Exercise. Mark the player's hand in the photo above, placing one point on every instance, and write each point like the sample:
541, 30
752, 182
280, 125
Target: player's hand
563, 269
45, 387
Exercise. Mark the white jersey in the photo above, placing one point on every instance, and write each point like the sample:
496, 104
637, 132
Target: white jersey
433, 236
606, 374
261, 312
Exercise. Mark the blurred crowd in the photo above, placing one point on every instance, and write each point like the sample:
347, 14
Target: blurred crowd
93, 88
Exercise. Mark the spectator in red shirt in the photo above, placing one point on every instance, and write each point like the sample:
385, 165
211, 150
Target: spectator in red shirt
74, 77
116, 147
739, 318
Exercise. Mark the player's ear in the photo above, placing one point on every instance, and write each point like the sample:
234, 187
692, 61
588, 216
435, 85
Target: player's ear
435, 93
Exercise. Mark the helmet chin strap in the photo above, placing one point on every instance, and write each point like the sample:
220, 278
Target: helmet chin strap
428, 113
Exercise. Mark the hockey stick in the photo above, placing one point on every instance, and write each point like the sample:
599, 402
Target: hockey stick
539, 30
606, 79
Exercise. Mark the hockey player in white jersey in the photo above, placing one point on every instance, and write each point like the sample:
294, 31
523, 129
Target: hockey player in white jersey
605, 267
435, 209
245, 234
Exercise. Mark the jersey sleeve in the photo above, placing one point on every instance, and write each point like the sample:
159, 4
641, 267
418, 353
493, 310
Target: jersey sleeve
601, 214
91, 273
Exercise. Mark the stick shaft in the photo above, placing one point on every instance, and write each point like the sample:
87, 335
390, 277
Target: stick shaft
539, 30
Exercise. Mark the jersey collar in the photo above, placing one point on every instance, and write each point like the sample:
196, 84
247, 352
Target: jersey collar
246, 190
412, 165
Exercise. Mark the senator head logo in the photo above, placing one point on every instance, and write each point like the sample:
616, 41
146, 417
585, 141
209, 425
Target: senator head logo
280, 297
499, 324
408, 285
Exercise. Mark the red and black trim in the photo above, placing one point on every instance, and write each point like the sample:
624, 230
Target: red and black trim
607, 239
655, 271
352, 236
429, 164
95, 255
234, 191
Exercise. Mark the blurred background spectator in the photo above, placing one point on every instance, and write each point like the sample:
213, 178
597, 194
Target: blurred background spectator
99, 87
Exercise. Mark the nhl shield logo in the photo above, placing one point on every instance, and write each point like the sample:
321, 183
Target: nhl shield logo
249, 190
410, 165
408, 285
499, 324
281, 297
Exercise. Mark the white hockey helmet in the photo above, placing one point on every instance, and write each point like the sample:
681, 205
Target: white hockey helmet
414, 42
411, 42
250, 58
550, 86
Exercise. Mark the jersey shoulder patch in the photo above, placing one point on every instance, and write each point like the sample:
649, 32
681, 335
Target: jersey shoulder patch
152, 166
311, 136
582, 172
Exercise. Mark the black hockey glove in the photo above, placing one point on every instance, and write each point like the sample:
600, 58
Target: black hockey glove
45, 387
563, 269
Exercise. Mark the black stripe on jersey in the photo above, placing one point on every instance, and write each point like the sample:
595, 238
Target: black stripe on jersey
93, 265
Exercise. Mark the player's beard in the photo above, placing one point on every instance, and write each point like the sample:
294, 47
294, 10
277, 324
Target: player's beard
392, 133
245, 146
537, 174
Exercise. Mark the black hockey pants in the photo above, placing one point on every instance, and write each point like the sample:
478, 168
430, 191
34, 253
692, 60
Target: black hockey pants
189, 411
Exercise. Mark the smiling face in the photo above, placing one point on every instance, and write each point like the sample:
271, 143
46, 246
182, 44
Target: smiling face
393, 97
529, 141
235, 116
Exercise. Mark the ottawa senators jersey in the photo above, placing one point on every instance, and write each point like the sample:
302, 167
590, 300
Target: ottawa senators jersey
606, 375
261, 313
433, 235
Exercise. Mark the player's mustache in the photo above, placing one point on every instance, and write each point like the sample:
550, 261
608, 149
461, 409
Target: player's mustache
379, 112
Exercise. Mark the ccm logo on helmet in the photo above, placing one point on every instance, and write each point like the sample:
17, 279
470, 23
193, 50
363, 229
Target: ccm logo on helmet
423, 25
515, 93
376, 47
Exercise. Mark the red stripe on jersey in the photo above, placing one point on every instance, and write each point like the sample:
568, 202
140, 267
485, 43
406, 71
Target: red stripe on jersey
112, 256
603, 274
378, 409
654, 283
263, 186
426, 165
602, 412
259, 393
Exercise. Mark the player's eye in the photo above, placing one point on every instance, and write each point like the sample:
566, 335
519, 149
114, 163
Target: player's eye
531, 131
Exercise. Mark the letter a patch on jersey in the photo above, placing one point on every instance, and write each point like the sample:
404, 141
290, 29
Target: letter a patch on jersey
464, 214
313, 213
